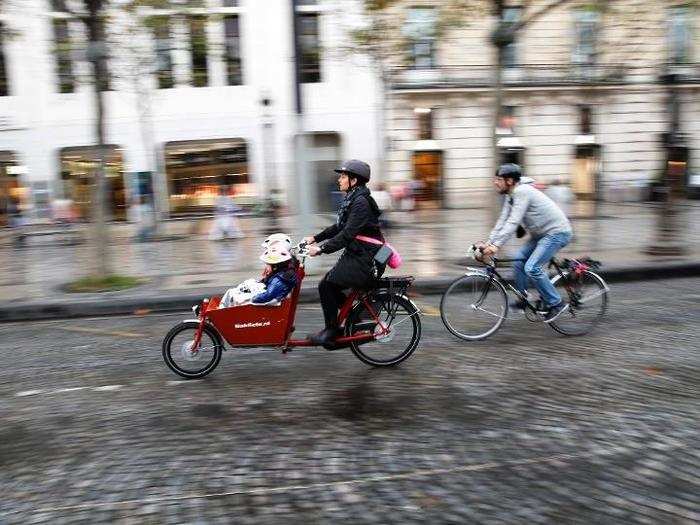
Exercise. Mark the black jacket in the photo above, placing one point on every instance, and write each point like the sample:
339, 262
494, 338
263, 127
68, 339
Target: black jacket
359, 216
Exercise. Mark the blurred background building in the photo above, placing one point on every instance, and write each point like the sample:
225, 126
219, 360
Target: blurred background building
197, 97
601, 95
602, 98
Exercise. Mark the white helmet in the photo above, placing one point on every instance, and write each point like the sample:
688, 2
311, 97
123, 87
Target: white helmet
277, 239
275, 255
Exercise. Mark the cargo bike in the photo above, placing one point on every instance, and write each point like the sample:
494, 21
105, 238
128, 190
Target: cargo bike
380, 324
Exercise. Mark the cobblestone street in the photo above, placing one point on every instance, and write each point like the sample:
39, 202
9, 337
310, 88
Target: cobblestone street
526, 427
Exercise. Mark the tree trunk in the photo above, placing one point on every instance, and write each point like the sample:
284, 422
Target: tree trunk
96, 51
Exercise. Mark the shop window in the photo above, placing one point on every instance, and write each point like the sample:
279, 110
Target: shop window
78, 168
234, 73
420, 31
586, 27
679, 35
14, 196
4, 89
198, 50
310, 47
427, 178
163, 45
196, 170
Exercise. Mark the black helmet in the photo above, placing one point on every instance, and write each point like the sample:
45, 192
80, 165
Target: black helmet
356, 168
512, 171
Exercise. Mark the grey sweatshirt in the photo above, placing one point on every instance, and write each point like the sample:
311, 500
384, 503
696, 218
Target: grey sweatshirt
530, 207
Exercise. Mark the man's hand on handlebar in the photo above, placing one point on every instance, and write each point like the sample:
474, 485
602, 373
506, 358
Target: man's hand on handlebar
489, 250
309, 240
314, 250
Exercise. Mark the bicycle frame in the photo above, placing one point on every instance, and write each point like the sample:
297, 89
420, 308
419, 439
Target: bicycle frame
265, 326
493, 275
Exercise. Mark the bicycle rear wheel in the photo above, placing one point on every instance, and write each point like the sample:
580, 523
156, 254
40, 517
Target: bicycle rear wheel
395, 312
474, 307
587, 295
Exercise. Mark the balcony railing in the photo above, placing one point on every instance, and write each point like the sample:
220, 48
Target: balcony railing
520, 76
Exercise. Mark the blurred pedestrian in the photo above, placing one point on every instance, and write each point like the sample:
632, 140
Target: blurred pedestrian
16, 220
226, 224
561, 194
383, 200
143, 216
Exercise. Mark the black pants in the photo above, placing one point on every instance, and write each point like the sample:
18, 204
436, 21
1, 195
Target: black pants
332, 298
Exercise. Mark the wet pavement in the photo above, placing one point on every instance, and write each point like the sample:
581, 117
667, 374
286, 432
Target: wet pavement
430, 241
526, 427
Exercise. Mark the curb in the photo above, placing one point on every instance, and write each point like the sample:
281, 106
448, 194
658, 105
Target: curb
181, 302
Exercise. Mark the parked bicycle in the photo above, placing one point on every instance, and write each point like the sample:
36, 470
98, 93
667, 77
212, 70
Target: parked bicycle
475, 305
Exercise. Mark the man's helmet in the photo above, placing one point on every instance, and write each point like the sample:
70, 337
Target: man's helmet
512, 171
277, 239
275, 255
356, 168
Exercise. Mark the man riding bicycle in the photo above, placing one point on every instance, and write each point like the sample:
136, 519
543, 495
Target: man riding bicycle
549, 229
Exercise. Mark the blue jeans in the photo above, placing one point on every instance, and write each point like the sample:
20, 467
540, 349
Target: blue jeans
534, 255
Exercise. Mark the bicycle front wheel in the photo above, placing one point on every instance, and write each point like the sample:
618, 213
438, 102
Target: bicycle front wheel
396, 313
183, 358
587, 295
474, 307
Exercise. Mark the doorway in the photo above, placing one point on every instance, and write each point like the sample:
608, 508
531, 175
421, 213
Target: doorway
427, 179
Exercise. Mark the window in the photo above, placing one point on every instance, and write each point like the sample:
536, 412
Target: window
63, 52
164, 59
310, 47
420, 30
198, 48
196, 169
511, 16
234, 72
425, 123
507, 121
4, 89
679, 34
586, 26
585, 119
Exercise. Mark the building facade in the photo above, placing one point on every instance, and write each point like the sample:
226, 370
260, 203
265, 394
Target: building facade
604, 99
197, 97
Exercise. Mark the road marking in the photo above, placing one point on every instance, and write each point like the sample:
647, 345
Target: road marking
28, 393
71, 389
176, 383
100, 332
428, 310
107, 388
553, 460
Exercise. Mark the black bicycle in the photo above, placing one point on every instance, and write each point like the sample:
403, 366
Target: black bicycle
475, 305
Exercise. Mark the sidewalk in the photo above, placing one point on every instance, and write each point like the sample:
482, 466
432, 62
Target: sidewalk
188, 267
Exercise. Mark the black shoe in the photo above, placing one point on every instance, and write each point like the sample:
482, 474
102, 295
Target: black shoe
556, 311
325, 337
519, 304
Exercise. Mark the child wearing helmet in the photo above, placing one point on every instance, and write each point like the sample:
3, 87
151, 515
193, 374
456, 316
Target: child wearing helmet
279, 277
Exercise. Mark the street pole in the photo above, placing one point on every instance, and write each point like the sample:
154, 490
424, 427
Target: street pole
666, 239
303, 189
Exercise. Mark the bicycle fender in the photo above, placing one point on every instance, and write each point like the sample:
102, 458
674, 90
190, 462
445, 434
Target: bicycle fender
471, 270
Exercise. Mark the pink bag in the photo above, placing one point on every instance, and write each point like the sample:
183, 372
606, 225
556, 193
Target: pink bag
395, 261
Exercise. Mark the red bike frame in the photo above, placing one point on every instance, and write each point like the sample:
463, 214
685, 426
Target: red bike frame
256, 326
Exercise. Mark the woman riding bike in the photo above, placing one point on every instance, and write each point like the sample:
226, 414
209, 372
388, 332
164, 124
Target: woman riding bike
356, 268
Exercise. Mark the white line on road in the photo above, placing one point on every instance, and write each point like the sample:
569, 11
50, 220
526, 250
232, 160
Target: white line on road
107, 388
28, 393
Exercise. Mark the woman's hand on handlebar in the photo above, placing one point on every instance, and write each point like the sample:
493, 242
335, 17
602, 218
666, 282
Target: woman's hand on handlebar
314, 250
